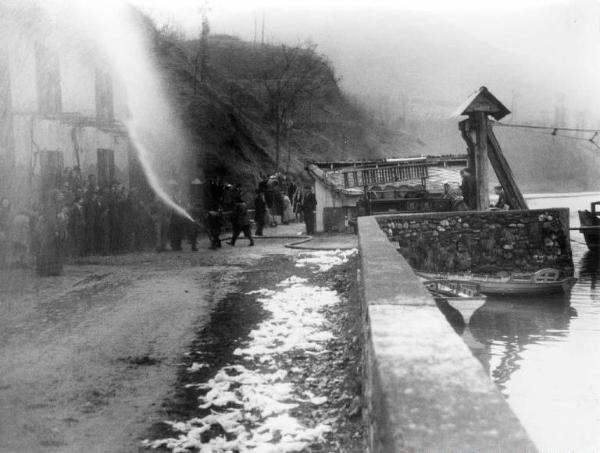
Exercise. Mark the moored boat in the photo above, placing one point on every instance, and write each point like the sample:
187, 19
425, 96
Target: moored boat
544, 281
465, 297
590, 226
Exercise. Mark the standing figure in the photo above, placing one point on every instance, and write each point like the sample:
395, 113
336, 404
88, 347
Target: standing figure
456, 201
77, 227
214, 223
288, 213
309, 206
260, 211
20, 238
160, 219
177, 229
51, 231
297, 204
467, 187
502, 203
240, 221
193, 228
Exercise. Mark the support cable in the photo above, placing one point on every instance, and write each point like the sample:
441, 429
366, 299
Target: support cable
554, 131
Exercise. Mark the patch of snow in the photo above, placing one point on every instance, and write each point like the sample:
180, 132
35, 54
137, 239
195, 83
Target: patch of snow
324, 260
197, 366
252, 406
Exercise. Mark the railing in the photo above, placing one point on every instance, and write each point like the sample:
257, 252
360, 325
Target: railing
360, 177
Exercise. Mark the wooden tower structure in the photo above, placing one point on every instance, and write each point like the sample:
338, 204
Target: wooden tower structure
482, 145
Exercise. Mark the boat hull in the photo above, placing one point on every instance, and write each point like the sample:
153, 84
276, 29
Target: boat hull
509, 287
464, 297
592, 236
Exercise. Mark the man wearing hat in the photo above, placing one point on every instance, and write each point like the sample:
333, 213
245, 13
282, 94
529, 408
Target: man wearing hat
309, 206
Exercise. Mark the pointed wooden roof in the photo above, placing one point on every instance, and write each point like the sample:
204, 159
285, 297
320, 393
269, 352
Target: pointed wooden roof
483, 101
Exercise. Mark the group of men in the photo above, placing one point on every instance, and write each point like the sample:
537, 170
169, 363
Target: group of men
305, 202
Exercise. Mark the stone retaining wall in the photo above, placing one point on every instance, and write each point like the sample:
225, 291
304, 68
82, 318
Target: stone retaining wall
483, 242
424, 390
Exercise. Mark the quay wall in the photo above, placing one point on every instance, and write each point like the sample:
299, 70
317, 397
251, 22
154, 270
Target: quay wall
424, 390
489, 242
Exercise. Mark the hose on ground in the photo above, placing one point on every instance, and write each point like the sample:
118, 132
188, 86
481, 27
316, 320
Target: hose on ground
302, 239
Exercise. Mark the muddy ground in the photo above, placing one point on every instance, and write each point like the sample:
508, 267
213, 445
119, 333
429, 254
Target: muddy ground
95, 360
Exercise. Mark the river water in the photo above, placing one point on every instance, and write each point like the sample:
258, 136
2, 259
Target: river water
543, 353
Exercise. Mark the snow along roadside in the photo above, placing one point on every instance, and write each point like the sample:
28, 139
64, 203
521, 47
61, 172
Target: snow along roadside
251, 400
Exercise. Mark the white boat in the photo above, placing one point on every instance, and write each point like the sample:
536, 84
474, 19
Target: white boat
465, 297
544, 281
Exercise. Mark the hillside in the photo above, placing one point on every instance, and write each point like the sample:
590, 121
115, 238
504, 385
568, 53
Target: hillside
227, 110
237, 119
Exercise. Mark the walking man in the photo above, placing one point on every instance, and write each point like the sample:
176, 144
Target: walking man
214, 222
240, 221
309, 206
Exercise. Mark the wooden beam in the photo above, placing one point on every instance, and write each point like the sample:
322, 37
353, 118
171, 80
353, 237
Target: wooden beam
504, 173
481, 162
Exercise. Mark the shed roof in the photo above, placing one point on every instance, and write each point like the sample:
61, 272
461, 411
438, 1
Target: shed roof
483, 101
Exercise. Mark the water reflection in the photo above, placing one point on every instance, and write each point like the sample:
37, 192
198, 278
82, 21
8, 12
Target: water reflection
503, 327
543, 352
589, 268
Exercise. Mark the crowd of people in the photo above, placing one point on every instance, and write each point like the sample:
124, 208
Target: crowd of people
276, 201
77, 217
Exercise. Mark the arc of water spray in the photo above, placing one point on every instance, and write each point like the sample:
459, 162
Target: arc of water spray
151, 174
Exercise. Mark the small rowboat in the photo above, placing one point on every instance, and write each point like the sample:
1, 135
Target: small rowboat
544, 281
590, 226
464, 297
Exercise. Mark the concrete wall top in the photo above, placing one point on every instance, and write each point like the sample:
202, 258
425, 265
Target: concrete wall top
425, 391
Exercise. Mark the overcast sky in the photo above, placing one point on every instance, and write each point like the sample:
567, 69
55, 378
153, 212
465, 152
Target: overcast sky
542, 50
186, 12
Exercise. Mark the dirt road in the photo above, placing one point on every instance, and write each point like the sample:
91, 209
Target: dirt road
88, 357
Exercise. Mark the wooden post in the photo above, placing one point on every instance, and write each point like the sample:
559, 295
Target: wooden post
481, 158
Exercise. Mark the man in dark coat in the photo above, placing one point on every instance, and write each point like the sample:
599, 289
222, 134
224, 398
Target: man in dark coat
240, 221
468, 189
502, 202
214, 223
160, 218
193, 228
260, 211
309, 206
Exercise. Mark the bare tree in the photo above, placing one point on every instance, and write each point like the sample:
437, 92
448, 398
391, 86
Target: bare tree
289, 76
